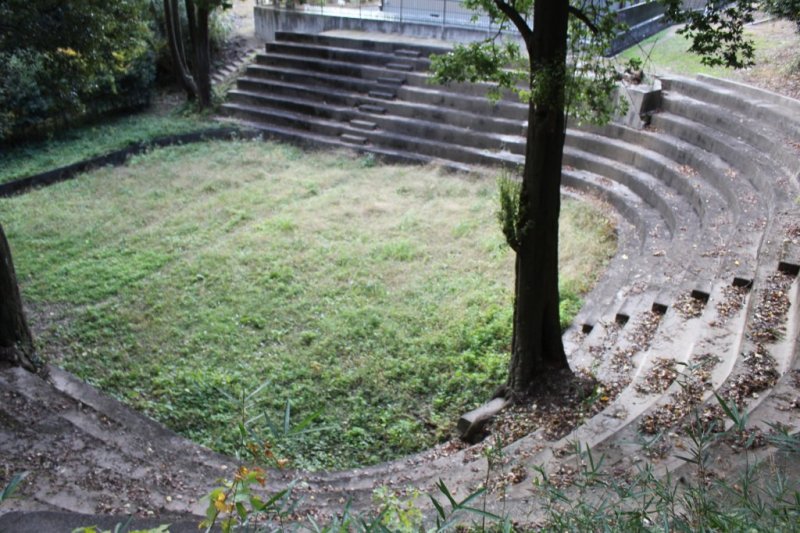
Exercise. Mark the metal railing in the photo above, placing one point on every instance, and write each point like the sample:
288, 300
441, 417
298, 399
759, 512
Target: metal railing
643, 17
433, 12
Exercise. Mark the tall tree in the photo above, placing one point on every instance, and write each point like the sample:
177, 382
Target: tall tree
563, 69
194, 69
16, 341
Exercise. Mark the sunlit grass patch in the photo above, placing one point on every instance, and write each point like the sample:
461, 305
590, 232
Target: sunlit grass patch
668, 53
378, 297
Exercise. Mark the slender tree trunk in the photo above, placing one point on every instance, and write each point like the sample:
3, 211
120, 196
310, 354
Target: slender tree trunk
202, 56
172, 21
537, 348
16, 341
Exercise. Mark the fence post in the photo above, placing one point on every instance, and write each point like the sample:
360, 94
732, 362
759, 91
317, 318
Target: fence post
401, 11
444, 14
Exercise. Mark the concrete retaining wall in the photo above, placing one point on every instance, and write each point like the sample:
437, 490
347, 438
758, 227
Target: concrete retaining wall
269, 20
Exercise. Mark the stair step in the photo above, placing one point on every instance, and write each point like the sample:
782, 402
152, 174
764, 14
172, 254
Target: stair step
386, 80
363, 124
404, 52
406, 67
374, 109
354, 139
383, 95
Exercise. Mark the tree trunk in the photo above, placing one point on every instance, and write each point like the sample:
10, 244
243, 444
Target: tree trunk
202, 56
16, 341
172, 21
537, 348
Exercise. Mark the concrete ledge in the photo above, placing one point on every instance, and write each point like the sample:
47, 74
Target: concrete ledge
62, 522
642, 101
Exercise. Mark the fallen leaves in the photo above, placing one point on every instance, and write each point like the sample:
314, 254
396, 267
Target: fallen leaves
732, 301
688, 306
769, 318
659, 378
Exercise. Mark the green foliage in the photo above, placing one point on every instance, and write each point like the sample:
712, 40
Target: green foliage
760, 497
717, 31
569, 306
591, 76
398, 514
85, 56
487, 60
236, 505
508, 215
787, 9
447, 518
588, 81
9, 490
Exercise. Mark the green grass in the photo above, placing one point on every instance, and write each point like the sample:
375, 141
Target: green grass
667, 52
77, 144
379, 296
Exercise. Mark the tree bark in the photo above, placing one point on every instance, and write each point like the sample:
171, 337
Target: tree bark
172, 21
202, 54
16, 341
537, 348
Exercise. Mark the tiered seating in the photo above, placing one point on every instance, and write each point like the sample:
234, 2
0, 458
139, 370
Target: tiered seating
706, 193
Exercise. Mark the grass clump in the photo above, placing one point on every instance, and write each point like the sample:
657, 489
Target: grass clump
197, 273
80, 143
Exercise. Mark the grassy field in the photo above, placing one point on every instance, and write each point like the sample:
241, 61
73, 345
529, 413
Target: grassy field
77, 144
375, 299
667, 52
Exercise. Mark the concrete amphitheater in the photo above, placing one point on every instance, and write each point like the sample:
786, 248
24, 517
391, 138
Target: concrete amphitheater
705, 282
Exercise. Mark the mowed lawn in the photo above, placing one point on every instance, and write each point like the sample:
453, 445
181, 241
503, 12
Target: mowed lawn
375, 299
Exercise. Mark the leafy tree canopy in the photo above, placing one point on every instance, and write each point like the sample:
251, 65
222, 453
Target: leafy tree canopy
56, 56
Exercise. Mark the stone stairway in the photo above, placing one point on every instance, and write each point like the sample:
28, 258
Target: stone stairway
709, 245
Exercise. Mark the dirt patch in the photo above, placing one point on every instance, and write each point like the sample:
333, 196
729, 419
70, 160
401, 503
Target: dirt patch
778, 69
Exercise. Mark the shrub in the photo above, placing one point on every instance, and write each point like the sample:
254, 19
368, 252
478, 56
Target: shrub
65, 59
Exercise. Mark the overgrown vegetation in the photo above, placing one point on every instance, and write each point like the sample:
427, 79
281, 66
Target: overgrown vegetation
62, 59
184, 281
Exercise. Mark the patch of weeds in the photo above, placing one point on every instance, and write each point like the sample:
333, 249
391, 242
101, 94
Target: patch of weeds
585, 495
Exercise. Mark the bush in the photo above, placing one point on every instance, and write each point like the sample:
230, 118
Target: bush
22, 101
64, 59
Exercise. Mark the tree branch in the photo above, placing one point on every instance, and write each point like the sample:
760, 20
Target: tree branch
580, 15
515, 17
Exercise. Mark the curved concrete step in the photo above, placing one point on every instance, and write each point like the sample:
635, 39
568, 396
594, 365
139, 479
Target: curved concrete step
350, 55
